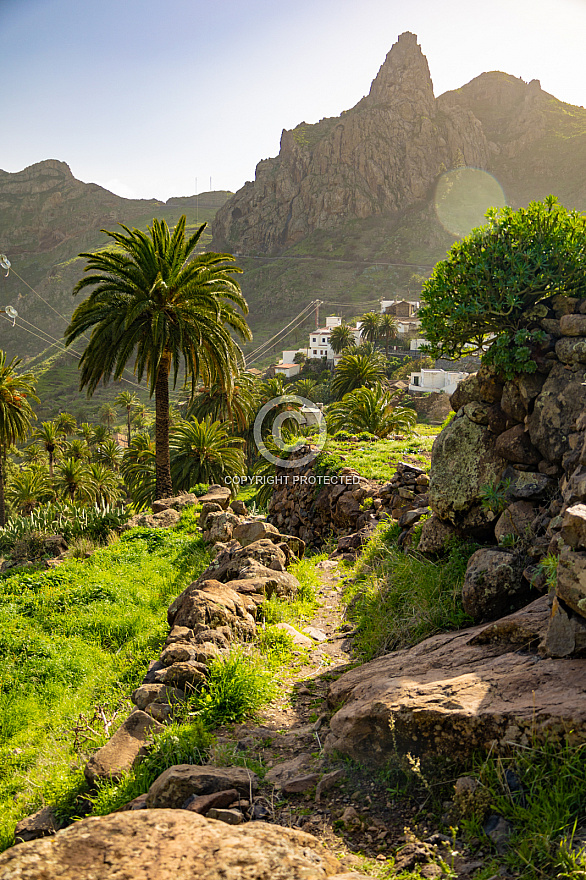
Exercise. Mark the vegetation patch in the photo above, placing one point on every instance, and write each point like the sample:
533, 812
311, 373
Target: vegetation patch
397, 599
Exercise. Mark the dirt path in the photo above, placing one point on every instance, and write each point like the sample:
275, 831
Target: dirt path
351, 811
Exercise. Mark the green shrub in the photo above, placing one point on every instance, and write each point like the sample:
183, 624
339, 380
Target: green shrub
398, 599
70, 520
238, 685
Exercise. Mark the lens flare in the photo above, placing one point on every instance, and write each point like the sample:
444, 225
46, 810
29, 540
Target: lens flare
463, 196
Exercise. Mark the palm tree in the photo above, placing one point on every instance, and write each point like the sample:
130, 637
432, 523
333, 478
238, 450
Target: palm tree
105, 485
107, 415
48, 434
216, 404
388, 330
74, 481
307, 388
34, 455
77, 449
138, 470
100, 434
86, 431
363, 366
126, 400
109, 454
28, 489
151, 303
342, 337
65, 423
16, 414
370, 326
203, 452
370, 409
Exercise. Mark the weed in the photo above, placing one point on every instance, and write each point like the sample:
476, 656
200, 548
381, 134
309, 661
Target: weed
238, 685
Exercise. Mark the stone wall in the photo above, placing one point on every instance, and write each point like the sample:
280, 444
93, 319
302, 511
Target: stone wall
511, 468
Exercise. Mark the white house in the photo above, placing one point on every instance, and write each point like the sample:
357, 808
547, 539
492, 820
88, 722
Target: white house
436, 380
287, 370
319, 340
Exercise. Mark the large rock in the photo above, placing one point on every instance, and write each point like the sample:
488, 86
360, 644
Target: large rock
248, 532
456, 693
516, 520
571, 579
172, 844
494, 584
556, 409
177, 783
177, 502
123, 750
212, 604
163, 520
463, 461
219, 526
218, 494
436, 536
515, 445
43, 823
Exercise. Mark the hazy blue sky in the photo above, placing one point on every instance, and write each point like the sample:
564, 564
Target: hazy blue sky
143, 96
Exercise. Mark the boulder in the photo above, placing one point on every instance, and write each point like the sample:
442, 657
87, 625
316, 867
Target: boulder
512, 404
178, 502
573, 325
207, 508
494, 584
556, 409
151, 693
171, 844
219, 526
219, 494
43, 823
566, 633
185, 675
515, 445
516, 520
239, 507
456, 693
436, 535
180, 782
574, 526
463, 461
163, 520
571, 580
212, 604
528, 485
248, 532
123, 750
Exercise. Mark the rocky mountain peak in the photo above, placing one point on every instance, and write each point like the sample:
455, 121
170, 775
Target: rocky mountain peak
404, 75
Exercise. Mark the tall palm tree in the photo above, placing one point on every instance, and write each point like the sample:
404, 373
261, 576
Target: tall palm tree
109, 454
342, 337
126, 400
107, 415
388, 330
48, 434
74, 481
370, 326
151, 302
216, 404
105, 484
363, 366
16, 414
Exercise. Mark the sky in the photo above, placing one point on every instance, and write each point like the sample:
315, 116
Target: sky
161, 98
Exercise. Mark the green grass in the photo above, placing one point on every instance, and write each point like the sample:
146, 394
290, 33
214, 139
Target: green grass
302, 607
72, 639
398, 599
378, 460
546, 812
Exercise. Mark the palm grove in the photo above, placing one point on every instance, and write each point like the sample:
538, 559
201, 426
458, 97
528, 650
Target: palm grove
170, 314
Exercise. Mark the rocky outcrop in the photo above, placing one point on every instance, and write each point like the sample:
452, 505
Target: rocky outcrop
452, 694
167, 844
380, 157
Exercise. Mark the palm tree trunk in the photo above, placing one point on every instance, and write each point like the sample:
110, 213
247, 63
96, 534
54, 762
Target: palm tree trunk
164, 486
128, 418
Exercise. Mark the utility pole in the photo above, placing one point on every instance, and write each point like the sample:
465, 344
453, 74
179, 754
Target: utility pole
318, 303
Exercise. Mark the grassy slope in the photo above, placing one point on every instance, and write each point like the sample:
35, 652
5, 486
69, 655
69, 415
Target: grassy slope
74, 638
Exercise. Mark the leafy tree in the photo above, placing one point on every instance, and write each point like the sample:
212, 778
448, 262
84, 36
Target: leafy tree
48, 434
156, 303
363, 366
342, 337
370, 409
126, 400
370, 328
203, 452
495, 274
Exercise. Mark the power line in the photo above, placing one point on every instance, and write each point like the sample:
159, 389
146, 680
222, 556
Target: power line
303, 314
337, 260
262, 354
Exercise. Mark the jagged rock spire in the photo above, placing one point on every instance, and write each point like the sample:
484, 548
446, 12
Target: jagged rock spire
404, 74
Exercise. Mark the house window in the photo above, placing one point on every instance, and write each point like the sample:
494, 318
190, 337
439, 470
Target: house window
416, 380
315, 350
323, 339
